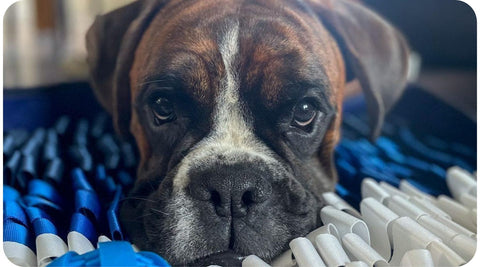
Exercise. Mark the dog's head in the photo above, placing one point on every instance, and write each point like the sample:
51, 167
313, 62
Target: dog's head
235, 107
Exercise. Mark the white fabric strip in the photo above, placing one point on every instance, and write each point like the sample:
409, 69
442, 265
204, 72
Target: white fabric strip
393, 191
286, 259
79, 243
457, 227
403, 207
462, 245
370, 188
103, 238
345, 223
19, 254
356, 264
408, 234
357, 249
49, 247
429, 208
331, 250
326, 229
411, 190
468, 200
337, 202
417, 257
305, 254
378, 218
254, 261
443, 255
457, 211
460, 181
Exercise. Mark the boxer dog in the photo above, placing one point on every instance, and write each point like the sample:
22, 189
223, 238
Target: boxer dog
235, 106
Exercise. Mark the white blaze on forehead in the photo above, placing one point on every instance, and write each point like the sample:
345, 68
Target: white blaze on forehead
230, 127
231, 134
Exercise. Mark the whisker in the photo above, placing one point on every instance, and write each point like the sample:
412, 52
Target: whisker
159, 211
137, 198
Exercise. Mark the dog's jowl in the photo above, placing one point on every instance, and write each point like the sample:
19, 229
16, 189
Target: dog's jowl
235, 108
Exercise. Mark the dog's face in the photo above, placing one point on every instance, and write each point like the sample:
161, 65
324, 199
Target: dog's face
235, 108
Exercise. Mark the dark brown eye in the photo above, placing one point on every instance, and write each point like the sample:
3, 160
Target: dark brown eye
304, 113
163, 110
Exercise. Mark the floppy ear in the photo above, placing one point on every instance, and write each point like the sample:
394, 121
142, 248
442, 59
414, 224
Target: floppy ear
111, 42
374, 51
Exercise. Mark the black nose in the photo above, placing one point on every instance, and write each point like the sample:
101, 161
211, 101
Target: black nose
232, 189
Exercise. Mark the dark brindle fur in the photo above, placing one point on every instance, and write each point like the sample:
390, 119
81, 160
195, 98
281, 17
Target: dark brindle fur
231, 175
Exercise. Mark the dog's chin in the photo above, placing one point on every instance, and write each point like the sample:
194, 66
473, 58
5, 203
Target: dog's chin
224, 258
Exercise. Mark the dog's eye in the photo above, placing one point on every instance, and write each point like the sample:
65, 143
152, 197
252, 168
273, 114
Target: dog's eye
163, 110
304, 113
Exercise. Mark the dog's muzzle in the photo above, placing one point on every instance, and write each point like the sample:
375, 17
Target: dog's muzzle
231, 189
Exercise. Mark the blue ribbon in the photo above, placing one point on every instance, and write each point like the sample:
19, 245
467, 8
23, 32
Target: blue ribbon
37, 187
79, 181
113, 223
14, 212
80, 223
39, 202
18, 233
86, 202
104, 182
124, 178
44, 226
41, 221
10, 193
115, 253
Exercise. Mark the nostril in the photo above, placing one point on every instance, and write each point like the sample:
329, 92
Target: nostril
215, 198
247, 198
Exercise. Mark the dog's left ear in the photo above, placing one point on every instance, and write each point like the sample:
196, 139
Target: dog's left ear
111, 42
374, 51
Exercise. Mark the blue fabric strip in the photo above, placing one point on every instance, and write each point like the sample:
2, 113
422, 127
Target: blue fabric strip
113, 223
10, 193
79, 181
44, 226
14, 212
86, 202
80, 223
18, 233
37, 187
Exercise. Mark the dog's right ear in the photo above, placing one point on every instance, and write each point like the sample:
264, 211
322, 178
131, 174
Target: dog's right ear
111, 42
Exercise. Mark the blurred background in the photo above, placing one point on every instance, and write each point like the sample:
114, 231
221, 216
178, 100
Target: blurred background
44, 43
